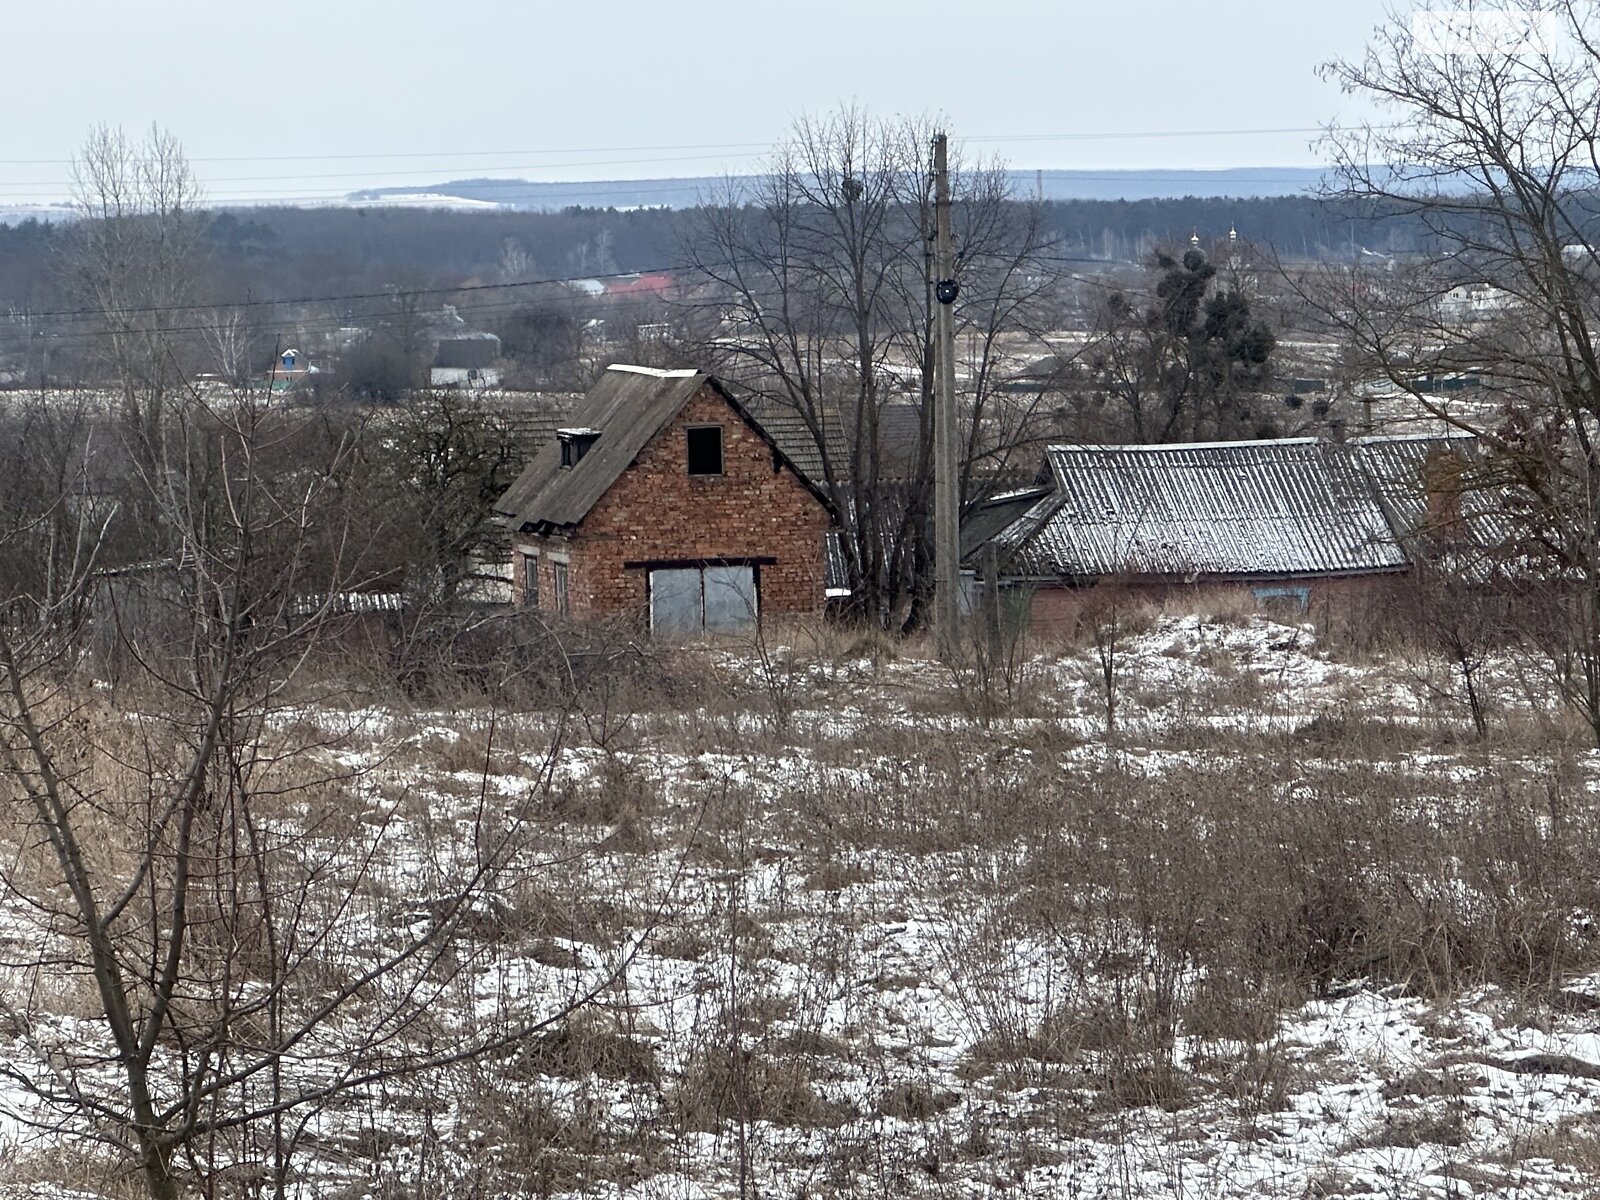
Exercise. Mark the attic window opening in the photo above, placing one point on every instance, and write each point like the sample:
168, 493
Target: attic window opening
704, 449
575, 444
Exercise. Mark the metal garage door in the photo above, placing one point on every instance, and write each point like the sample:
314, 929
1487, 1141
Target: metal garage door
730, 598
691, 600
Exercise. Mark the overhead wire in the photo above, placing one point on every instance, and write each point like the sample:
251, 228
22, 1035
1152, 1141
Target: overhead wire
390, 295
1074, 135
305, 323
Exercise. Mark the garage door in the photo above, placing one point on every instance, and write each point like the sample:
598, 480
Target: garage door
730, 598
692, 600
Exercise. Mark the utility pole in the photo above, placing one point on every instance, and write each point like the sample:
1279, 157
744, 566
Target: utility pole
946, 481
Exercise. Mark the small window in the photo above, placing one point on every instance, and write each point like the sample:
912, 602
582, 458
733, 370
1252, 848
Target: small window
558, 573
705, 449
530, 580
575, 444
1290, 598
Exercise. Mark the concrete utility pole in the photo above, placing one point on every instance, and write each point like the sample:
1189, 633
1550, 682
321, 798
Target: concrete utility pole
946, 480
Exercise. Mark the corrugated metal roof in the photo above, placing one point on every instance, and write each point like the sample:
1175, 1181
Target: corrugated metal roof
989, 517
1405, 467
835, 570
1220, 509
348, 603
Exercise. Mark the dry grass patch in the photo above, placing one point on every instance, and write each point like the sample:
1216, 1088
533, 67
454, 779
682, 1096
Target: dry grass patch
721, 1085
1573, 1142
588, 1046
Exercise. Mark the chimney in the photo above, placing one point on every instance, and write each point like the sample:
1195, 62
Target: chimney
1443, 481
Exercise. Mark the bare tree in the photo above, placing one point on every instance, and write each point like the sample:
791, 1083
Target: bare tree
1187, 361
181, 835
818, 282
133, 257
449, 460
56, 515
1490, 143
185, 841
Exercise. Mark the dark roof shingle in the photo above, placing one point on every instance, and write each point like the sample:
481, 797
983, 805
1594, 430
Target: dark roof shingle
625, 409
629, 405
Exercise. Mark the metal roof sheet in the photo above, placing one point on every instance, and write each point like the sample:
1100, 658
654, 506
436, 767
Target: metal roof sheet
1219, 509
1400, 467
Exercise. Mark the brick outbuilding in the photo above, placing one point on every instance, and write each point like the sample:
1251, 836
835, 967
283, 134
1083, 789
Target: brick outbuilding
670, 505
1287, 522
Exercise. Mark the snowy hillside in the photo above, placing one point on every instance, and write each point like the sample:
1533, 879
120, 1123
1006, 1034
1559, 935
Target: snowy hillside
830, 919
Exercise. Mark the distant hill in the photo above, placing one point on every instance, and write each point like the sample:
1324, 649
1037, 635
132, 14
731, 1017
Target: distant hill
685, 192
16, 214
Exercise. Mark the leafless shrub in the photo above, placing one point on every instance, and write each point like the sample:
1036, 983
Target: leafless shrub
1572, 1142
1112, 615
990, 664
721, 1085
589, 1046
912, 1101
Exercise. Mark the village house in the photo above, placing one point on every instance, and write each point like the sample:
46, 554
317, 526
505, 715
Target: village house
465, 360
668, 504
1288, 521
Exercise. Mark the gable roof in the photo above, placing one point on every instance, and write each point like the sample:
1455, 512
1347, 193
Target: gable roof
899, 429
785, 425
627, 407
1223, 509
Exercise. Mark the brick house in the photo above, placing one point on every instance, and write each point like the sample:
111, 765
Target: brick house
670, 505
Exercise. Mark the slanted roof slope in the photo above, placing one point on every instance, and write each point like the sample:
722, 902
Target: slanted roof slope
1222, 509
627, 407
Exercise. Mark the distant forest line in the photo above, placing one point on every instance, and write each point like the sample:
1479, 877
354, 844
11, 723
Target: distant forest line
282, 253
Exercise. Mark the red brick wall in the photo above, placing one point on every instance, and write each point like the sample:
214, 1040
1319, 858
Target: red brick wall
657, 511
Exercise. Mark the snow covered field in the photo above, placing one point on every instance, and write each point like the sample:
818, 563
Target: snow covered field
855, 924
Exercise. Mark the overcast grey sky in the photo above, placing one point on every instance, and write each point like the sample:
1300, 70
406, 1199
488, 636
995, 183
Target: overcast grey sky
315, 97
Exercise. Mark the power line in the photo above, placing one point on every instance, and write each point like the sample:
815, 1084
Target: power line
395, 294
613, 304
412, 171
571, 187
1140, 135
390, 294
412, 154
